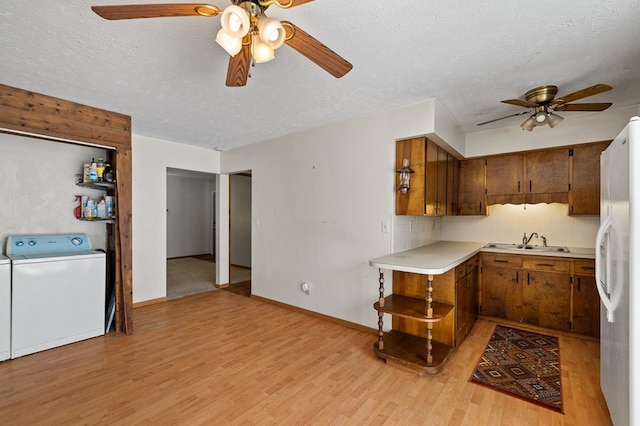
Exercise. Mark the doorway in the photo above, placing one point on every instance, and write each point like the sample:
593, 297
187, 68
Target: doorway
240, 233
190, 220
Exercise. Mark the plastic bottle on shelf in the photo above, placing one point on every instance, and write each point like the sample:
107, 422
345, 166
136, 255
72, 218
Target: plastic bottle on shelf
102, 209
108, 172
100, 169
90, 210
93, 171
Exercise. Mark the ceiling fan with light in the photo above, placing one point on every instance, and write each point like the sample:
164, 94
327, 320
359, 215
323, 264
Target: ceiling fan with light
542, 105
247, 34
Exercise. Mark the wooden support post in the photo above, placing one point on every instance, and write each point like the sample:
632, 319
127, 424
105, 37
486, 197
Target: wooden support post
429, 300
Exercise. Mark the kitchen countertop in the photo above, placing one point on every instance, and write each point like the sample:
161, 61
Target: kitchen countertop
439, 257
436, 258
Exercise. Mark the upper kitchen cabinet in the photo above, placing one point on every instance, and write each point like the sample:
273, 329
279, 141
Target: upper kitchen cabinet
453, 166
584, 178
471, 187
505, 179
427, 195
528, 177
547, 176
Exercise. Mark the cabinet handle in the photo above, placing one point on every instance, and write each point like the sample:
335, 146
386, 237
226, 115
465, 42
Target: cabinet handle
518, 187
500, 261
528, 278
529, 186
578, 283
545, 264
517, 277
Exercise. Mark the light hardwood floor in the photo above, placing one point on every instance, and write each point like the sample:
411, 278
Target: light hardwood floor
219, 358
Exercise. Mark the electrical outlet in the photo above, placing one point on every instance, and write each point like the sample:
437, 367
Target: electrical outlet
385, 226
306, 288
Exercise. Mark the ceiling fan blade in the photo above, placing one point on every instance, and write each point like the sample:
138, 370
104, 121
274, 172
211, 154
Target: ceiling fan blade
589, 91
299, 2
135, 11
315, 51
238, 70
518, 102
502, 118
583, 107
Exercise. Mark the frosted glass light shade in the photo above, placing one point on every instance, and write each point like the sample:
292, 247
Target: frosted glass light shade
271, 32
235, 21
528, 124
260, 51
230, 44
554, 120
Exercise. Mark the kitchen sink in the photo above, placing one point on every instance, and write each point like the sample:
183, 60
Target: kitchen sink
527, 247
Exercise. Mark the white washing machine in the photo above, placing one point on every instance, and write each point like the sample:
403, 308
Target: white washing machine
58, 291
5, 308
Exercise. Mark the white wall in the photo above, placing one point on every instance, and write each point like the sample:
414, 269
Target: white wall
151, 158
37, 188
189, 214
240, 234
319, 200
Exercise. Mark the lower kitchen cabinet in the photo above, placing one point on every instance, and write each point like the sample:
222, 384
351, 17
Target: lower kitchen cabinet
500, 275
586, 301
551, 292
466, 306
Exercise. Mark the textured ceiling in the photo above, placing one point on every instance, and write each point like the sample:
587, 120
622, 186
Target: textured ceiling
169, 74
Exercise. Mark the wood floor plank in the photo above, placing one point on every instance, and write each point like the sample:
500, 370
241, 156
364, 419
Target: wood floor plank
219, 358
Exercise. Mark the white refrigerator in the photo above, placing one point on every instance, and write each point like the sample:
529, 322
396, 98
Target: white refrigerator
617, 267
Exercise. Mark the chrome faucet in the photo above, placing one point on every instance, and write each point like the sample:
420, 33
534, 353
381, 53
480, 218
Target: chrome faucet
526, 240
544, 241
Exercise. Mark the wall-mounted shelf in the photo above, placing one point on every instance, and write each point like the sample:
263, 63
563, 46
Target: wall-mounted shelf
104, 186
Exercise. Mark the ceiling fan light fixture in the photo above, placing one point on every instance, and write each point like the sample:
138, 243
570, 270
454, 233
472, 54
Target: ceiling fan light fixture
261, 51
271, 32
554, 120
529, 124
235, 21
230, 44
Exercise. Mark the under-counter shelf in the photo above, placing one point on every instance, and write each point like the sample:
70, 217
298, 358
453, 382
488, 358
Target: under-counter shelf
408, 351
410, 307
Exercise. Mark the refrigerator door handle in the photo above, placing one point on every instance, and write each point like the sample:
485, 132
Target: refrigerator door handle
603, 266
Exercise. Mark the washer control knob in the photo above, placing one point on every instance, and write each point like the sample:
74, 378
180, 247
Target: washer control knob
32, 243
76, 241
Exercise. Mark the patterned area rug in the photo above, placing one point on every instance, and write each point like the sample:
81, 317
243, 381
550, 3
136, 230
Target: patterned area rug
522, 364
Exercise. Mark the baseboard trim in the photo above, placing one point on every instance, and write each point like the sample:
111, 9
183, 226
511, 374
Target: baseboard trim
149, 302
334, 320
221, 285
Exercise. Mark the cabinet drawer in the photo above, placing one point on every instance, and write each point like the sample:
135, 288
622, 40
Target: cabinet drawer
501, 260
537, 263
584, 267
466, 267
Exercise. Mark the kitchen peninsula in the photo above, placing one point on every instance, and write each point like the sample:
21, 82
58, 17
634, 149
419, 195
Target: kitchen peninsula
437, 294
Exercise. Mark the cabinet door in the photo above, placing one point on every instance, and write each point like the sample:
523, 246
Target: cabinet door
586, 306
497, 286
471, 192
547, 171
462, 308
547, 296
452, 185
431, 185
584, 168
472, 298
505, 179
441, 192
412, 203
